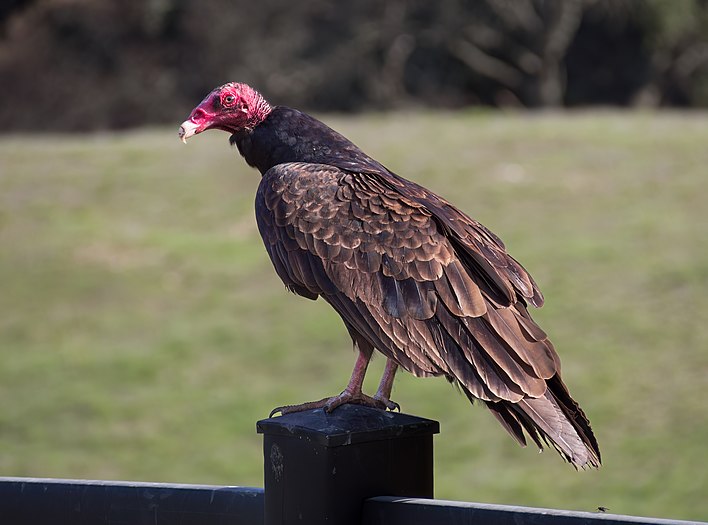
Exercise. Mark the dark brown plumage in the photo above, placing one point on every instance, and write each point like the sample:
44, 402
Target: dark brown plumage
410, 275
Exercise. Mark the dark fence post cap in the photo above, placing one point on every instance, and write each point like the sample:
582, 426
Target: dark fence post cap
346, 425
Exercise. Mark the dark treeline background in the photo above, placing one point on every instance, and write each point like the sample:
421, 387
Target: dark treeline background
90, 64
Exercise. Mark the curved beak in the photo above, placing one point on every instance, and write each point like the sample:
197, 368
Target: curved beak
187, 129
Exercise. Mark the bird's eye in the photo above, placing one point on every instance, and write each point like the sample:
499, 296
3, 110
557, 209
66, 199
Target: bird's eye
229, 100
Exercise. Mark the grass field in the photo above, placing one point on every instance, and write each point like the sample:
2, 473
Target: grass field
143, 330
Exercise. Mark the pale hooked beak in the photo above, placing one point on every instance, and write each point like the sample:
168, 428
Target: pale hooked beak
187, 129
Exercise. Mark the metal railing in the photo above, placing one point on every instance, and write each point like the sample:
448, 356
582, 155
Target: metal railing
356, 466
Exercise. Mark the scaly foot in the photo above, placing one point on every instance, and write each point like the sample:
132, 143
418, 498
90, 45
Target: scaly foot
330, 403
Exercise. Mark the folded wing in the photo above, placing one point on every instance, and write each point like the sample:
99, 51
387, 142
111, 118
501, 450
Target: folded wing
427, 286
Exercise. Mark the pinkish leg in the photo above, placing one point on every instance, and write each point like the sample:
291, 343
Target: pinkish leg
383, 393
353, 393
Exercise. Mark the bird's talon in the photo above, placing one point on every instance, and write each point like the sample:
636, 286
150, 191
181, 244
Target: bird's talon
330, 404
387, 404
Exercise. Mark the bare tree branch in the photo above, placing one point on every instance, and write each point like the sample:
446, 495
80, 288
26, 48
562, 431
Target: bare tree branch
517, 14
692, 59
563, 29
486, 37
485, 64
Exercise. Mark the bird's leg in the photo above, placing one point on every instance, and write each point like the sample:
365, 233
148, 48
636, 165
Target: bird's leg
383, 393
353, 393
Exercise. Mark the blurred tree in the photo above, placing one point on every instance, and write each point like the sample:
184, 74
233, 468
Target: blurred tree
677, 38
607, 62
82, 64
517, 44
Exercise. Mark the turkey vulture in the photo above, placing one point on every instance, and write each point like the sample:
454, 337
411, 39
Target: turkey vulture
410, 275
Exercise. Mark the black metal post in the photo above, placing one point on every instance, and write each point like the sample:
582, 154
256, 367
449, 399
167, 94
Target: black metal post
320, 467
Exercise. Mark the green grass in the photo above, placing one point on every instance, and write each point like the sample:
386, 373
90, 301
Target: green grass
143, 330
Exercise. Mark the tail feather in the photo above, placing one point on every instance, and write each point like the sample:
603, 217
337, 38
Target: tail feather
554, 419
514, 423
576, 416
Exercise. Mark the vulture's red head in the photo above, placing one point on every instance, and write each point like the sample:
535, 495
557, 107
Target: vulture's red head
232, 107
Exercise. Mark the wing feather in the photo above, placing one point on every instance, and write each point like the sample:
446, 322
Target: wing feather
534, 354
426, 285
466, 291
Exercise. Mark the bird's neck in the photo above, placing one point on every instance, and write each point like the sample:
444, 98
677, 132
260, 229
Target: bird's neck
287, 135
259, 111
